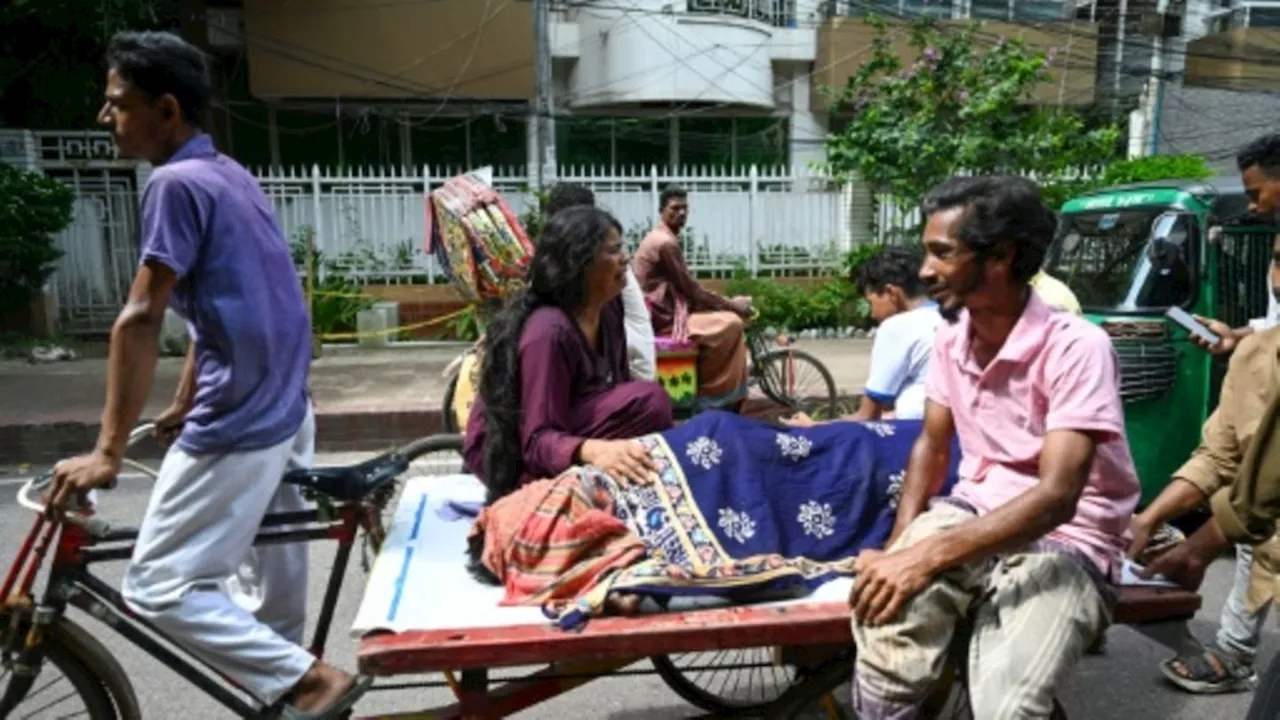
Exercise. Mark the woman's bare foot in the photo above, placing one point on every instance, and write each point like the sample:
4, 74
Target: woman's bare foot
321, 686
625, 604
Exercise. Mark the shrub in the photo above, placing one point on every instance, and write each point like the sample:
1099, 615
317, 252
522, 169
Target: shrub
32, 209
829, 303
337, 300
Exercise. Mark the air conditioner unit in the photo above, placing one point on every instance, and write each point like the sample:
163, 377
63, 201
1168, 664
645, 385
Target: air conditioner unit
226, 27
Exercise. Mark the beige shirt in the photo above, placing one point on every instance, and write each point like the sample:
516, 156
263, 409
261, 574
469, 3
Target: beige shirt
1252, 381
1251, 384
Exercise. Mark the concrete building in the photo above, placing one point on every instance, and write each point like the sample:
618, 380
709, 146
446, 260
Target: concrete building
637, 82
1218, 89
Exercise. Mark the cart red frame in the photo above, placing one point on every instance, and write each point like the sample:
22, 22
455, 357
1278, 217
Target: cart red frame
609, 644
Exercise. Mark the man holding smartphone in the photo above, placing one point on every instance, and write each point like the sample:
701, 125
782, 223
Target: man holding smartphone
1226, 663
1249, 389
1259, 164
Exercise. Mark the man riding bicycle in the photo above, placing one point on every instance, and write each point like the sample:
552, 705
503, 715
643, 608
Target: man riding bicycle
212, 249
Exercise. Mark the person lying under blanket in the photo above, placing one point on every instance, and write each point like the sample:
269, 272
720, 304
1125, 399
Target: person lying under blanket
737, 508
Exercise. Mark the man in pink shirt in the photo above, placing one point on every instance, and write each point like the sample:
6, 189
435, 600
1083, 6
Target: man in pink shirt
1026, 552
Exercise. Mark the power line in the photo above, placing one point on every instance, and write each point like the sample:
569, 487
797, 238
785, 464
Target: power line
682, 111
475, 46
419, 92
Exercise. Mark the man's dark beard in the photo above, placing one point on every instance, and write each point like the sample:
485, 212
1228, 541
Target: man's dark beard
950, 314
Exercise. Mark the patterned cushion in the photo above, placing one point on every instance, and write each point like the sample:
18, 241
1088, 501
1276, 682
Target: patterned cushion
479, 243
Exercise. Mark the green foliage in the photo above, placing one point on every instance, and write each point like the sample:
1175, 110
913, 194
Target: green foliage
18, 346
467, 325
335, 304
1156, 167
534, 217
833, 302
827, 304
956, 108
51, 74
853, 259
32, 209
1137, 170
336, 300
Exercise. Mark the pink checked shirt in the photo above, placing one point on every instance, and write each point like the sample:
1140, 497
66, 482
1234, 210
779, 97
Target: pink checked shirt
1056, 371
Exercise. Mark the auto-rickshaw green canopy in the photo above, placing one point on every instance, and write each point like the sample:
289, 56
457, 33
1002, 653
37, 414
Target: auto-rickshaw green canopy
1130, 253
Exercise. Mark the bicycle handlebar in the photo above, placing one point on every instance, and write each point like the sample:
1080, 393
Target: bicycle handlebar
28, 494
74, 515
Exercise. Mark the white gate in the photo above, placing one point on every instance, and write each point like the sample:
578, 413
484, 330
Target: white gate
100, 252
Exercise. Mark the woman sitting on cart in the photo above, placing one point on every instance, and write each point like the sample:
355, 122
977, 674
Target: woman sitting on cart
556, 389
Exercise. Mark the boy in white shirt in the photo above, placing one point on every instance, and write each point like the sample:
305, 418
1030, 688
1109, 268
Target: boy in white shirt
908, 321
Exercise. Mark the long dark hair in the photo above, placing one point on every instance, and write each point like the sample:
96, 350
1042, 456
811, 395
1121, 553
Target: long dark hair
557, 277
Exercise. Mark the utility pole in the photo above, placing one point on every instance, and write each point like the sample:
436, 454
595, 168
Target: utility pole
544, 102
194, 22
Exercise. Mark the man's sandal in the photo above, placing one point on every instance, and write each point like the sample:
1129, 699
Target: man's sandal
339, 709
1209, 673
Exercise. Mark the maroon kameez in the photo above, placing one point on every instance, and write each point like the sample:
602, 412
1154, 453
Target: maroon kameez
569, 393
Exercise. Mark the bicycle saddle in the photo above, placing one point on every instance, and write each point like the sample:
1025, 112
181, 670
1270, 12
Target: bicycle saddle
350, 482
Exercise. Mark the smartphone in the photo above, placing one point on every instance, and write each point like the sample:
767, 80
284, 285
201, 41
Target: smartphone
1192, 325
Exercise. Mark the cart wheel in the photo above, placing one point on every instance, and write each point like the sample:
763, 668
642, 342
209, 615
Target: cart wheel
797, 381
803, 699
727, 681
439, 455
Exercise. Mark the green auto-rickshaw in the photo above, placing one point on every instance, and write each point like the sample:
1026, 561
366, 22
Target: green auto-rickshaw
1130, 253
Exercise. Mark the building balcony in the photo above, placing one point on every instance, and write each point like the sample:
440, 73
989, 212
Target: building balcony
639, 53
608, 54
1241, 52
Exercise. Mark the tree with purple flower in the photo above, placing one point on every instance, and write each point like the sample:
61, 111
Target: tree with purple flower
959, 106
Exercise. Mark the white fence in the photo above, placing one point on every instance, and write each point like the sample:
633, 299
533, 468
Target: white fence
769, 221
772, 221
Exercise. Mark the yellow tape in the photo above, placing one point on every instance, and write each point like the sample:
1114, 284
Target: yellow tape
327, 293
388, 331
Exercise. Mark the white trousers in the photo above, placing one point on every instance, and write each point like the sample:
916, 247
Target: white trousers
196, 575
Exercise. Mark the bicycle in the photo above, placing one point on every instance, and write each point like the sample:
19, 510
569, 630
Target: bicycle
36, 633
776, 368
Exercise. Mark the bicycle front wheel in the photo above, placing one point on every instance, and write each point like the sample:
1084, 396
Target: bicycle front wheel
432, 455
76, 679
448, 415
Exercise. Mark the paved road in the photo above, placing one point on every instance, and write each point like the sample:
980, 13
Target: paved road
1122, 684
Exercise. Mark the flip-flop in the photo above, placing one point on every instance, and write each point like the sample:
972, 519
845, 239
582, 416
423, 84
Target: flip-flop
338, 709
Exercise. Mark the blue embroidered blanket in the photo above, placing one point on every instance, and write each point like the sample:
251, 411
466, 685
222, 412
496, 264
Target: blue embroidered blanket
744, 508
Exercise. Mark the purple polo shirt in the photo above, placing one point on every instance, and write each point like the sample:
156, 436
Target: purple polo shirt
205, 217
